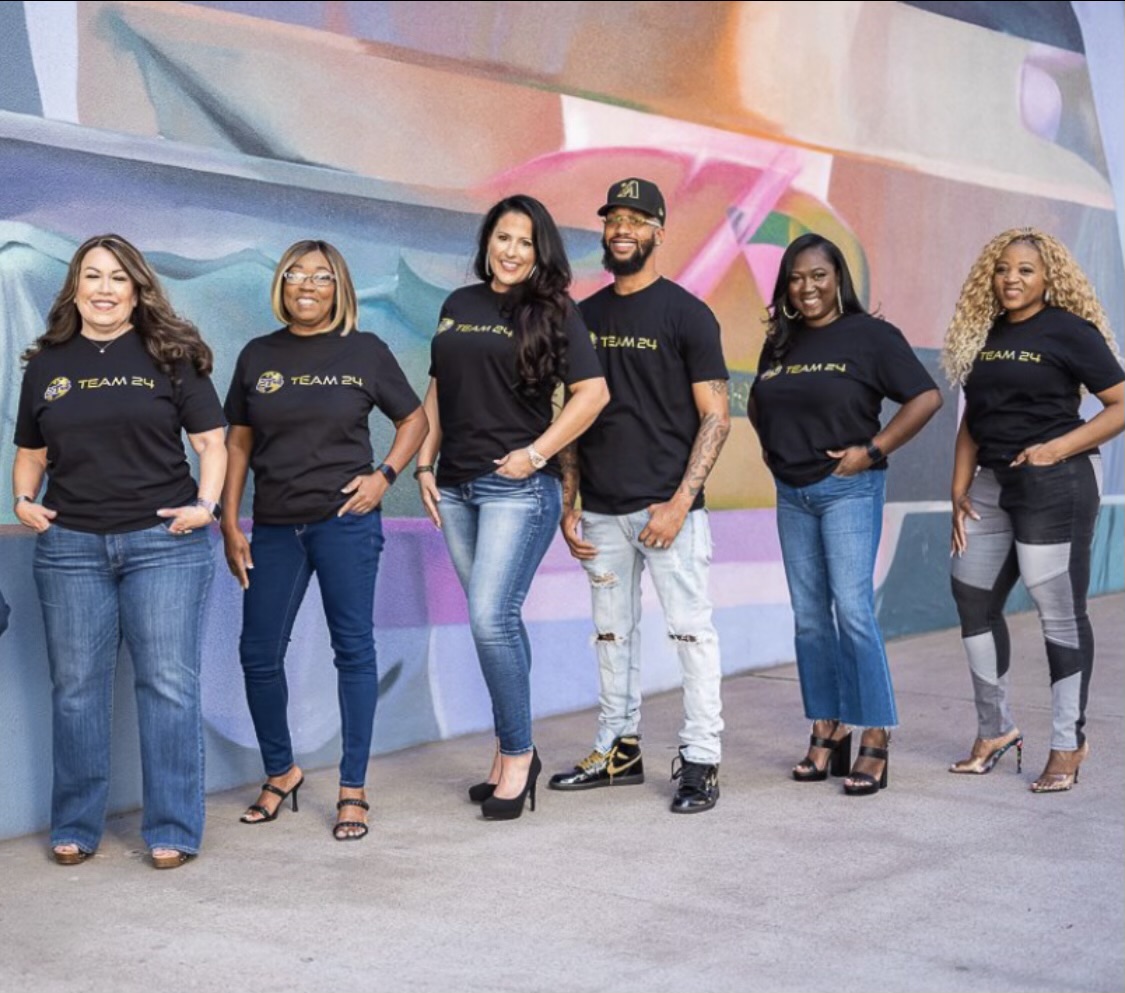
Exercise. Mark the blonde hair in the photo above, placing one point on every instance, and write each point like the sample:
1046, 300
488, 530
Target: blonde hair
345, 308
977, 307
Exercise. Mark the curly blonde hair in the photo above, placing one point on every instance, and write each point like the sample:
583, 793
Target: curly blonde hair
977, 307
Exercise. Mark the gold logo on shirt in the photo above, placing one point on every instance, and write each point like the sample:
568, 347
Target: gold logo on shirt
770, 373
270, 382
445, 324
58, 387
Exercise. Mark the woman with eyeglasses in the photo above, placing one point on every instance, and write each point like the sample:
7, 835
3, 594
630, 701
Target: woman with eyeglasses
298, 409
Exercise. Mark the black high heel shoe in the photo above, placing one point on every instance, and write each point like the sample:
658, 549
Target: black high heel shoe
481, 792
807, 771
863, 783
267, 814
497, 808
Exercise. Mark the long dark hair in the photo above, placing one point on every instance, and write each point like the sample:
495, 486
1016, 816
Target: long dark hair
780, 327
167, 337
538, 306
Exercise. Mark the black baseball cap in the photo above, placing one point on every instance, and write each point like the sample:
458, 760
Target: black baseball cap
639, 194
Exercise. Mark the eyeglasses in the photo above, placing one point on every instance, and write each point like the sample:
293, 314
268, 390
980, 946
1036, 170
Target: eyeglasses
629, 221
316, 278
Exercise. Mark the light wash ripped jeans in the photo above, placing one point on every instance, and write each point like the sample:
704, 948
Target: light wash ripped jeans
679, 574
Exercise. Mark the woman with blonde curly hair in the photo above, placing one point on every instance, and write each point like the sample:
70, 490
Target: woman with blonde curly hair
1027, 337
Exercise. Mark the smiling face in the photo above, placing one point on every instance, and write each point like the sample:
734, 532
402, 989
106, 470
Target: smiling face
511, 250
1019, 281
105, 295
309, 304
628, 241
813, 284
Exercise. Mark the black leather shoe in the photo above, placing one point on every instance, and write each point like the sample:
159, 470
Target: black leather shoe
622, 766
699, 786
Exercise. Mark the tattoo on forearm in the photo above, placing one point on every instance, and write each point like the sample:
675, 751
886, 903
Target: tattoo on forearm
713, 431
568, 462
719, 387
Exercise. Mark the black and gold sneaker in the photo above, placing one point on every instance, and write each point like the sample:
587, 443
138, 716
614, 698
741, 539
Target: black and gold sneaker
620, 766
699, 786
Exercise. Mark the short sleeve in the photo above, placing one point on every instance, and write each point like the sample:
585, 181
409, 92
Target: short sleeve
197, 400
394, 395
235, 405
702, 345
1091, 361
582, 360
28, 434
900, 374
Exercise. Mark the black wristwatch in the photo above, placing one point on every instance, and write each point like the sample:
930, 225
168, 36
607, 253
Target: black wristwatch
389, 471
874, 452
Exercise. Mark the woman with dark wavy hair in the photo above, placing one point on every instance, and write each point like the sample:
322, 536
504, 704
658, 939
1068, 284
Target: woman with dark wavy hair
122, 551
825, 370
502, 347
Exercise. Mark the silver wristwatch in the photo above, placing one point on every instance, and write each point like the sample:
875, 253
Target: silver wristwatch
535, 458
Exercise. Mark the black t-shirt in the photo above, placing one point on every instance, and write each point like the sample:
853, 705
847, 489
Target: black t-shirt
828, 392
111, 423
654, 345
484, 415
1023, 388
307, 399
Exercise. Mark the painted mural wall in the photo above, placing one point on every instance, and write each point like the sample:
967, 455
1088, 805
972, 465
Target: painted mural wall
213, 135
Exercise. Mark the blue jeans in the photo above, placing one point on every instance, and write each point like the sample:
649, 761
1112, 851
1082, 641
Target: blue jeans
149, 589
344, 553
829, 534
498, 530
680, 575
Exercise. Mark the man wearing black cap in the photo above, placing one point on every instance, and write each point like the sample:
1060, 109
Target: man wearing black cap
640, 471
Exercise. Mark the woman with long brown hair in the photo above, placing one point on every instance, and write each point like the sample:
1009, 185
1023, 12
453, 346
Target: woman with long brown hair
122, 552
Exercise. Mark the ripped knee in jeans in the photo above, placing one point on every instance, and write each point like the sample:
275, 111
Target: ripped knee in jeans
603, 580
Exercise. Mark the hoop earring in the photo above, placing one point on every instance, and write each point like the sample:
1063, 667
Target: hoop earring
785, 311
534, 270
839, 300
1047, 296
487, 267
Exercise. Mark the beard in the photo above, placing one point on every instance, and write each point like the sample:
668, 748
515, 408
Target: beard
630, 266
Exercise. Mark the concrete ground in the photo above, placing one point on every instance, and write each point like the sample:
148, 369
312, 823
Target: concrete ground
940, 882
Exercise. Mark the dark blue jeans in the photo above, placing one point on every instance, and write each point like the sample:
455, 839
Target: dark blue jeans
344, 553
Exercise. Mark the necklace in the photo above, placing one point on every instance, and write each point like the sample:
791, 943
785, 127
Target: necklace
102, 346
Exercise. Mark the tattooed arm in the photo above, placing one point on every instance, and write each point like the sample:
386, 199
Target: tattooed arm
712, 400
571, 515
